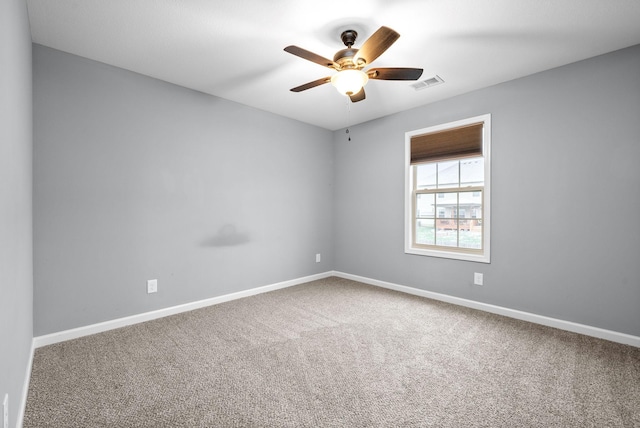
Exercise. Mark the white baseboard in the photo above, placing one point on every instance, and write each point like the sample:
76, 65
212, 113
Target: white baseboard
75, 333
25, 387
62, 336
600, 333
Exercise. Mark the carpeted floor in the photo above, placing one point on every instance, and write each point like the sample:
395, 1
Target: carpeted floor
335, 353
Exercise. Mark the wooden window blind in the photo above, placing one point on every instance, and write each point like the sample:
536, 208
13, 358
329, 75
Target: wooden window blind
464, 141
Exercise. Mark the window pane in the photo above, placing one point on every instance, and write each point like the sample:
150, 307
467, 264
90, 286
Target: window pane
470, 227
425, 213
470, 234
425, 206
471, 204
447, 232
425, 176
425, 231
448, 175
447, 203
472, 172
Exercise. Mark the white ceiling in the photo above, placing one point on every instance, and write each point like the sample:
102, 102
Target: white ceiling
234, 48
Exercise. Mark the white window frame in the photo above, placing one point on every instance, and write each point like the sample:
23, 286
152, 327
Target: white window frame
409, 223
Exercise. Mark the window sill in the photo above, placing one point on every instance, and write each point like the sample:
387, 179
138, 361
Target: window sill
456, 255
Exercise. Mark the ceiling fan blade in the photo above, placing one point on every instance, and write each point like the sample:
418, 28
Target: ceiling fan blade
358, 97
395, 73
311, 84
310, 56
375, 45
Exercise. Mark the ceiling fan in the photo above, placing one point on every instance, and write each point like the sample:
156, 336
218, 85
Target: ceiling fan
350, 62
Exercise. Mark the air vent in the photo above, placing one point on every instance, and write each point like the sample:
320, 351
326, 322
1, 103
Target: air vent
427, 83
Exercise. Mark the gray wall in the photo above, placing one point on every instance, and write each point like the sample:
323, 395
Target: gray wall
137, 179
565, 201
16, 260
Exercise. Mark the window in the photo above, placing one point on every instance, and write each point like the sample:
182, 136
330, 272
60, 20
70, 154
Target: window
447, 209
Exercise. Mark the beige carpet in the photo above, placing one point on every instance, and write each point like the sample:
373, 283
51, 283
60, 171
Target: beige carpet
335, 353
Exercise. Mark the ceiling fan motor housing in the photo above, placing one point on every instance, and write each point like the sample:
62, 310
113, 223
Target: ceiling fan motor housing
344, 59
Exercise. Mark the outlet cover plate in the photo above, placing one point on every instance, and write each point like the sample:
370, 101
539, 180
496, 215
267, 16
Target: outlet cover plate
478, 278
152, 286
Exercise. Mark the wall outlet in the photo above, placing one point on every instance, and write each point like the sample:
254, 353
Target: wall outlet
478, 278
152, 286
5, 411
318, 258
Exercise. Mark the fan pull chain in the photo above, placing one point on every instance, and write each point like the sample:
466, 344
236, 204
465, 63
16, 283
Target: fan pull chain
348, 117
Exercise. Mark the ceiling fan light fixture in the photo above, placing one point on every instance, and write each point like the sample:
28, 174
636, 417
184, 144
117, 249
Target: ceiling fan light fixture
349, 82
